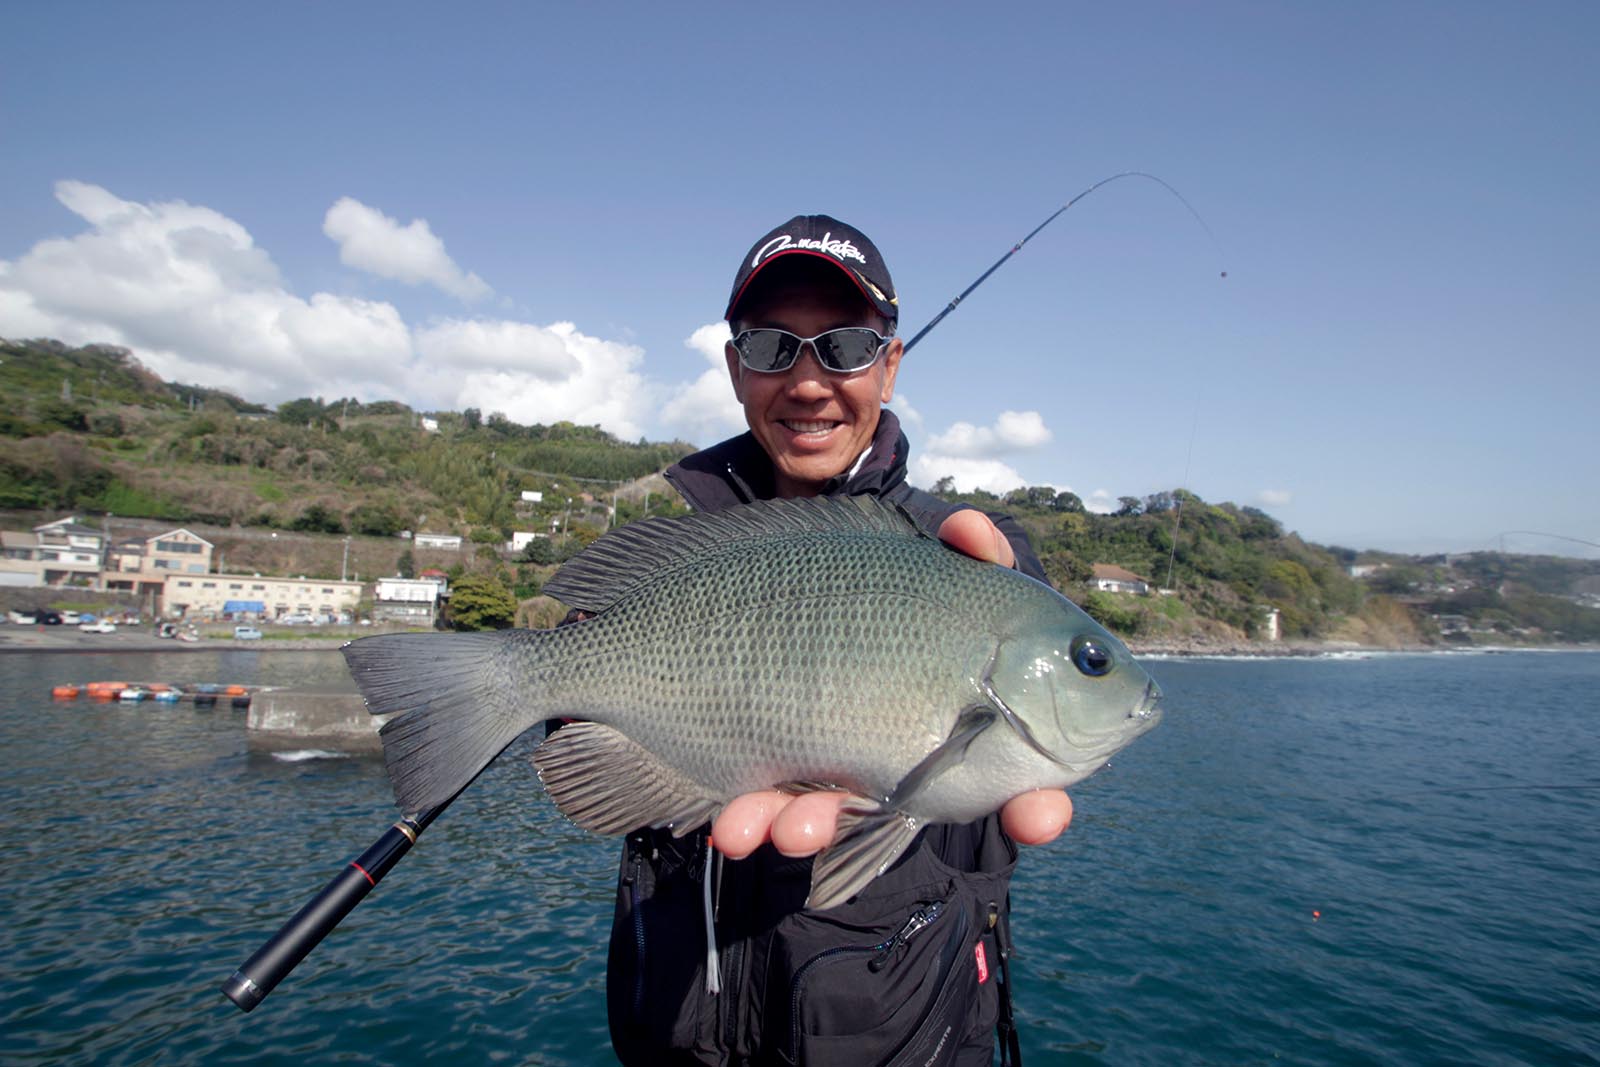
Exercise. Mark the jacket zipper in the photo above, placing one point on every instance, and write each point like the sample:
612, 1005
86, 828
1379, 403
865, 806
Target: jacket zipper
634, 899
883, 951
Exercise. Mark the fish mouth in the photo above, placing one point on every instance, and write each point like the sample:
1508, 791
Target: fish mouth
1147, 712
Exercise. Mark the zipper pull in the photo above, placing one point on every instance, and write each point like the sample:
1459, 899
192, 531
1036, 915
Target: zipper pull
919, 919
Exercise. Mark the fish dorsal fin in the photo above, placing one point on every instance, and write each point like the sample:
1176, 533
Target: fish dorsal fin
609, 569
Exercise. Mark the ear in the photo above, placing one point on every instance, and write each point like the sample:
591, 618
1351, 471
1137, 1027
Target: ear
735, 369
891, 368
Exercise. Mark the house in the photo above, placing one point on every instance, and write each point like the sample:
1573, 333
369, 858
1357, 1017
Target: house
407, 600
451, 542
1111, 578
69, 553
139, 566
19, 559
430, 425
520, 539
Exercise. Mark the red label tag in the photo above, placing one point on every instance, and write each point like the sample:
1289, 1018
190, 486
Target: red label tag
983, 965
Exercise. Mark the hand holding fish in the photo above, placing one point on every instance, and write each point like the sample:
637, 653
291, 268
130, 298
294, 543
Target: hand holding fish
804, 825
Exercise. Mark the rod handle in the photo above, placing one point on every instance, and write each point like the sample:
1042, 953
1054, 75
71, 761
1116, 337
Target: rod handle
272, 962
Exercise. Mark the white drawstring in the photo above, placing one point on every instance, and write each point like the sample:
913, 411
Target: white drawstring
713, 966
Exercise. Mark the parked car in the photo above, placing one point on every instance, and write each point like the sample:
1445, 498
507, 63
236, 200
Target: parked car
70, 618
49, 618
246, 633
104, 626
23, 618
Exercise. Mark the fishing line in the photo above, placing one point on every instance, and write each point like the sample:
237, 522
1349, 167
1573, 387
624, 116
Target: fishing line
920, 334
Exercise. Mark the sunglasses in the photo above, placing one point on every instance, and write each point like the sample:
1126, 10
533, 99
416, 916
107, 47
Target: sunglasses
843, 351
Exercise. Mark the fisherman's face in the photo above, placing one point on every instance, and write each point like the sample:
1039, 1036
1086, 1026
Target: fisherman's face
812, 422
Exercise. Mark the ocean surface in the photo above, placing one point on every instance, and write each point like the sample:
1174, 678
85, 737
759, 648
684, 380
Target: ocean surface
1388, 860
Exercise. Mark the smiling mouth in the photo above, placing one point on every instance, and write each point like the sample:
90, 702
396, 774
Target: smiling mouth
805, 426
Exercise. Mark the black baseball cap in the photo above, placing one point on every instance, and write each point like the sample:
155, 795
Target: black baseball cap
827, 239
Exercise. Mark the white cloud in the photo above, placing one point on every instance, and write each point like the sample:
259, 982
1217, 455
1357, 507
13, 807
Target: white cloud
371, 241
968, 474
910, 418
188, 291
1013, 431
1275, 498
705, 410
499, 345
1101, 502
972, 455
605, 387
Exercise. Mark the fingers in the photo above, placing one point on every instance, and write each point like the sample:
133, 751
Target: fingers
804, 825
807, 824
975, 534
746, 822
796, 825
1037, 817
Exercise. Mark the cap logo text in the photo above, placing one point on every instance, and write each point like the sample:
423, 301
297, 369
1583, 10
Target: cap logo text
840, 250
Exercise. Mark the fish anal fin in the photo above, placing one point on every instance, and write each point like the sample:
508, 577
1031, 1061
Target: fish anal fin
868, 840
609, 784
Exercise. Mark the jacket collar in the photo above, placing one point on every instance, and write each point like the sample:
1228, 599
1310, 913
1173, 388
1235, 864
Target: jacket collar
738, 470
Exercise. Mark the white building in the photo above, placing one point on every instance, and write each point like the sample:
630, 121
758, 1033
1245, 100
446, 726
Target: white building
520, 539
1113, 579
209, 595
408, 600
433, 540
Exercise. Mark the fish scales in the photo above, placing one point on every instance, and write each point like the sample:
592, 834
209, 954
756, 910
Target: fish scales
827, 642
842, 658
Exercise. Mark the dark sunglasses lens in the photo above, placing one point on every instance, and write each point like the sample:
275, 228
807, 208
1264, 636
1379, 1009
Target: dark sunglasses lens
847, 349
767, 350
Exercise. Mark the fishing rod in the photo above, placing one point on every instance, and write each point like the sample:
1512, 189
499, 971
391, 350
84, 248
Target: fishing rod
920, 334
260, 974
283, 951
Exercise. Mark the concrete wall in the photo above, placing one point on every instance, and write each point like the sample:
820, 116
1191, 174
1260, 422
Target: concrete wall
333, 719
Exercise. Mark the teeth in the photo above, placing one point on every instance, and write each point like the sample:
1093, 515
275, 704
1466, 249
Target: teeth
807, 427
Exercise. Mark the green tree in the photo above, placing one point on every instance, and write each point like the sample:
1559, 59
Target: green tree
480, 602
317, 518
376, 520
406, 565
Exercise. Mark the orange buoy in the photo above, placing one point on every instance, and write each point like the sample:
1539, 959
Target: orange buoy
235, 691
65, 692
108, 689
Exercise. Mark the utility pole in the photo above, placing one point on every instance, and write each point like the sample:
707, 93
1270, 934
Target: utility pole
345, 565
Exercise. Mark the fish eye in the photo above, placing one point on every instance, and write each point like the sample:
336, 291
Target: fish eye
1091, 656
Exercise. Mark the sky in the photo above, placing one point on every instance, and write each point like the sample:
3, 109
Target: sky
1374, 330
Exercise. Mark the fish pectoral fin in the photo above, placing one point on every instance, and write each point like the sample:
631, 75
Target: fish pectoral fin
606, 782
868, 840
950, 752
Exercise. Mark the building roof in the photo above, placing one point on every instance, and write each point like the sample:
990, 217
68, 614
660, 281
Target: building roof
180, 530
69, 525
1117, 574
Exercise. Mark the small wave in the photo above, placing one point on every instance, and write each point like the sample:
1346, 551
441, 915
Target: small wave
300, 755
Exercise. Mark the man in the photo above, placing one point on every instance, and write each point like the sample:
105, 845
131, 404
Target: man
902, 970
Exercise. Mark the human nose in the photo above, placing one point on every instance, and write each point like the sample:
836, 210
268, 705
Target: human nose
807, 378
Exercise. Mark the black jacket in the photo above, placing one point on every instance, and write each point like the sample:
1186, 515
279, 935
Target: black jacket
906, 971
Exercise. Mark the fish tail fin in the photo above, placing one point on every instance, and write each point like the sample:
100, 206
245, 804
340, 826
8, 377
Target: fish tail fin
455, 702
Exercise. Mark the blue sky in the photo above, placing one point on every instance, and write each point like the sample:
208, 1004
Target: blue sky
539, 209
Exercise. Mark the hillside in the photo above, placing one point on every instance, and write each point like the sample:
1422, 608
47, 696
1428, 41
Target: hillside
89, 430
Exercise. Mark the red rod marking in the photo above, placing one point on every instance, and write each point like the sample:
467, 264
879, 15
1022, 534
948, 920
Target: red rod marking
363, 871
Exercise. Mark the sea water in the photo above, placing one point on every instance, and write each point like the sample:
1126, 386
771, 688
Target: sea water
1367, 860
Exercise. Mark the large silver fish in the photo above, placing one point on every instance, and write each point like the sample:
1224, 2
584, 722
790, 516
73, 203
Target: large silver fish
793, 643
